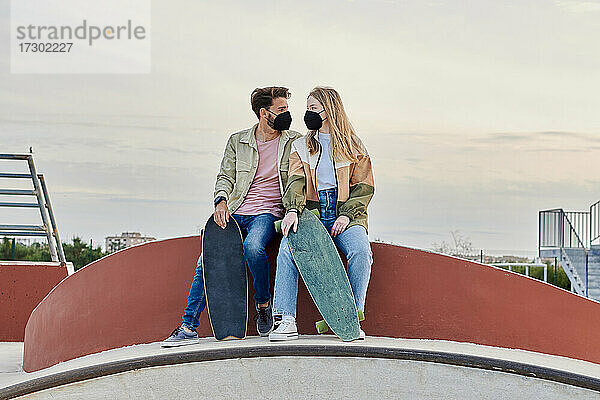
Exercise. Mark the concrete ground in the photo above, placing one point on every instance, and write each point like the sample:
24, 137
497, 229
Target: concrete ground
11, 360
419, 376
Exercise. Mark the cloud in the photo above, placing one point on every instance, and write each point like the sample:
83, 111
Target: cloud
139, 200
87, 124
536, 136
487, 233
579, 6
463, 113
565, 150
503, 137
570, 135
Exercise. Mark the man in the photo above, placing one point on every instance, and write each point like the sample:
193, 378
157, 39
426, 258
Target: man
249, 187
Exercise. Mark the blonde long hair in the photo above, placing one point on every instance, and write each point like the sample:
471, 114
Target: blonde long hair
345, 144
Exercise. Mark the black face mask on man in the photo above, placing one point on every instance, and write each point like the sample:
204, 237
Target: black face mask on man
313, 120
282, 122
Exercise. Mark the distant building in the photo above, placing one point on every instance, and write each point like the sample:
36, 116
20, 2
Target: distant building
127, 239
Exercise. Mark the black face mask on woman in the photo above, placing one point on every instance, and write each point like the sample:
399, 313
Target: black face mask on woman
281, 122
313, 120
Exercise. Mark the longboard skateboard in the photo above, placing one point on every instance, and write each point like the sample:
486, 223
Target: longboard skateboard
225, 280
324, 275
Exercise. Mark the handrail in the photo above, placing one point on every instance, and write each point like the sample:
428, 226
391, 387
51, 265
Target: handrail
557, 231
39, 228
22, 156
573, 231
583, 227
49, 228
594, 222
548, 234
580, 222
11, 175
59, 248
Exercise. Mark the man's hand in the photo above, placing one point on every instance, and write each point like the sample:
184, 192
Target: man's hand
340, 225
222, 214
289, 221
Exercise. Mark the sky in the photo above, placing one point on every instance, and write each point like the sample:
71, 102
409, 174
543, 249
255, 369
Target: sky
476, 114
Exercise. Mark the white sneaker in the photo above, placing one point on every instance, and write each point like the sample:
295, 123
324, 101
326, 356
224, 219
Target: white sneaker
286, 330
361, 335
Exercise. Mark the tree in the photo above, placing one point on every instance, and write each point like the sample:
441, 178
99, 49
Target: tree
461, 246
33, 252
77, 252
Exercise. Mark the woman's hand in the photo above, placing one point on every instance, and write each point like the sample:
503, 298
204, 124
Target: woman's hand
222, 214
289, 221
339, 225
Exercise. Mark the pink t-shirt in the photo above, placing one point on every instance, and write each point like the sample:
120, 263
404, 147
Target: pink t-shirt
264, 195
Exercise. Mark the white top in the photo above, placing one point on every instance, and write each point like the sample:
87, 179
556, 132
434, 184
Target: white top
325, 167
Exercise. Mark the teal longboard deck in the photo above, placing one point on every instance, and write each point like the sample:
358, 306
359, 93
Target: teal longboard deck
225, 279
324, 275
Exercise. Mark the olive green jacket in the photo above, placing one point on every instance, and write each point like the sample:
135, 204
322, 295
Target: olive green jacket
240, 162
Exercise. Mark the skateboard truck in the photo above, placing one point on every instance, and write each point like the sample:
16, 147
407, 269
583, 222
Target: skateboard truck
322, 326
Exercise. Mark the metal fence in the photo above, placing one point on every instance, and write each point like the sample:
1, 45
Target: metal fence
595, 224
571, 234
39, 191
557, 230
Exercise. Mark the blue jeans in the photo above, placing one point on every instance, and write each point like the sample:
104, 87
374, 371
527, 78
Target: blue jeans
353, 242
258, 231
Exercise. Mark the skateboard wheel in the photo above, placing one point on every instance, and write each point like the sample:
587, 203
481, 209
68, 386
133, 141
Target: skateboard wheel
361, 315
321, 326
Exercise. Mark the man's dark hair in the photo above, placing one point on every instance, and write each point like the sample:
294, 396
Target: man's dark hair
263, 97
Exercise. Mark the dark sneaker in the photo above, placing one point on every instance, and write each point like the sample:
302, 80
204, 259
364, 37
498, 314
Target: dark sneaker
264, 320
180, 337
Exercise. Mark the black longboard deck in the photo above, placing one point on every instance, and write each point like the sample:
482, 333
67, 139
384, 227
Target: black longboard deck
225, 279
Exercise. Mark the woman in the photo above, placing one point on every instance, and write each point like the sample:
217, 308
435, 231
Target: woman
330, 170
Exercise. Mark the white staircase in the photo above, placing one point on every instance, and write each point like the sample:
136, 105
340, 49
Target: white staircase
574, 239
573, 262
594, 273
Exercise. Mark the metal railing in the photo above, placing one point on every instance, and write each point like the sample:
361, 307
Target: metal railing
49, 227
580, 222
595, 224
556, 229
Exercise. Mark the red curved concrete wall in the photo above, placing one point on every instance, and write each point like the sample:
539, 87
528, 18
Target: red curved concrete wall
22, 286
138, 295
